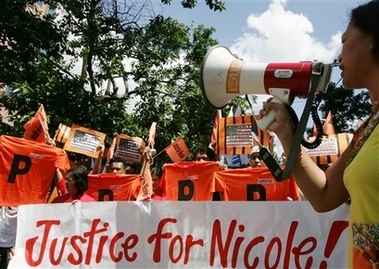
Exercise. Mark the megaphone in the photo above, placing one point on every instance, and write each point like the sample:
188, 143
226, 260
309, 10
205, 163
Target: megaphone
224, 77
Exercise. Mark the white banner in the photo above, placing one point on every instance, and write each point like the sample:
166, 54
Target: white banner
180, 235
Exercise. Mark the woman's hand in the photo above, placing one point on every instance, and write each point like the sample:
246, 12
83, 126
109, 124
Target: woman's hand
282, 125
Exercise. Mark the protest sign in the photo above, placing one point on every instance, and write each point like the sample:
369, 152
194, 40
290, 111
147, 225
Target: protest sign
178, 150
62, 133
128, 147
36, 128
234, 135
330, 148
84, 141
180, 235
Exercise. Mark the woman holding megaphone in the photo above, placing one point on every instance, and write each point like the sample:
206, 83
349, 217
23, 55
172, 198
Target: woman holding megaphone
355, 175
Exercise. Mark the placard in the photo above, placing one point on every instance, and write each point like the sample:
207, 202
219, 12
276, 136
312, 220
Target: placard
178, 150
330, 148
62, 133
234, 135
180, 235
84, 141
128, 147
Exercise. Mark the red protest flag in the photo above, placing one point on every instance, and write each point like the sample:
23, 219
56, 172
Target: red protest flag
36, 128
213, 141
178, 150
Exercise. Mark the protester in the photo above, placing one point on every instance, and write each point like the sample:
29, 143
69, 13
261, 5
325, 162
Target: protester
255, 160
201, 155
355, 174
156, 175
76, 186
8, 229
100, 164
121, 166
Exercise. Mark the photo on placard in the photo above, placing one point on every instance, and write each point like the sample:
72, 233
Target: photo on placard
128, 147
84, 141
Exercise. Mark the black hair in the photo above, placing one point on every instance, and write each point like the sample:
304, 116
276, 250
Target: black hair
79, 175
156, 171
119, 160
201, 151
365, 17
207, 151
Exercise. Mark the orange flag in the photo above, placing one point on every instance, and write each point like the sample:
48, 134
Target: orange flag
213, 142
152, 132
146, 190
178, 150
328, 126
111, 150
36, 128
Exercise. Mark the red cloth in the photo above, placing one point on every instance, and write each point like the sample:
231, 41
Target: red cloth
66, 198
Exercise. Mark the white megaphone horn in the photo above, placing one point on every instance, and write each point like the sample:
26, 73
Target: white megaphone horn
224, 77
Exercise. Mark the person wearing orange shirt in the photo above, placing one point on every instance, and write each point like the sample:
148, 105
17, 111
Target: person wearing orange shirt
76, 186
156, 175
255, 160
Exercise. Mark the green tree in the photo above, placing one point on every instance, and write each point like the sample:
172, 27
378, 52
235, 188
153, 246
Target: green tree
165, 58
216, 5
347, 107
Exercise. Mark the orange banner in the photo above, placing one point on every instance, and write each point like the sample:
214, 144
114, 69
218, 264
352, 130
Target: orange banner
330, 149
27, 170
234, 135
213, 140
84, 141
146, 190
254, 184
113, 187
178, 150
36, 128
152, 133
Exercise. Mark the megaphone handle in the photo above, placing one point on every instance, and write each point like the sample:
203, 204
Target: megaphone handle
264, 122
298, 136
271, 163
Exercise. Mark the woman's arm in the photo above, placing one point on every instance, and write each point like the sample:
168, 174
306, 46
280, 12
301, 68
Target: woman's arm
324, 190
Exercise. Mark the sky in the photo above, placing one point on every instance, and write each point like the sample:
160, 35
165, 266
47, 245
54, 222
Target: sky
274, 31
